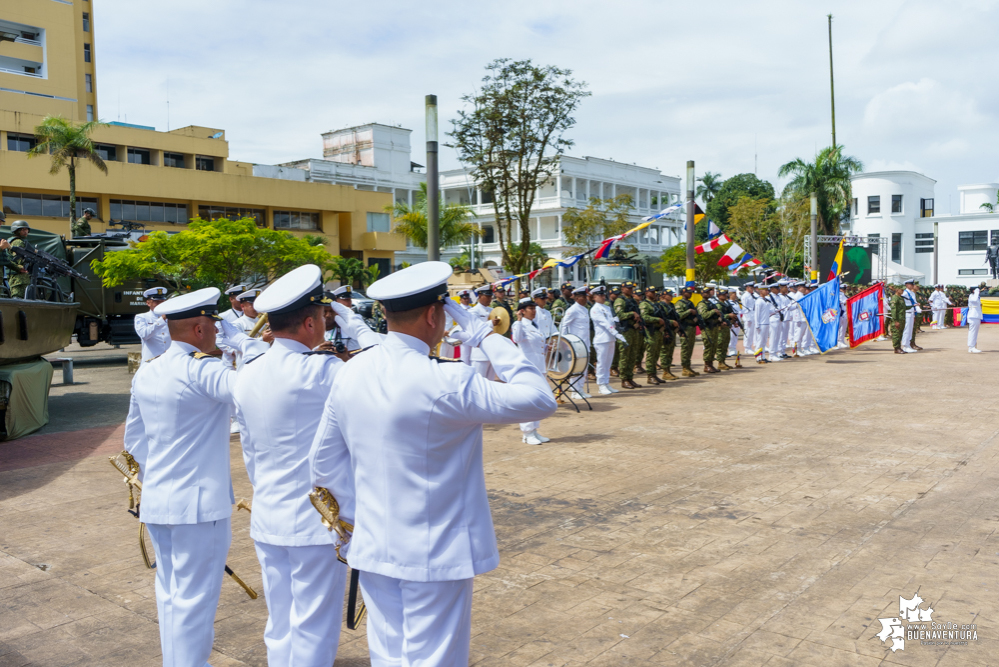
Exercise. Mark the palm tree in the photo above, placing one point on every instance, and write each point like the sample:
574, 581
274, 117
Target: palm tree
411, 221
829, 178
66, 143
709, 186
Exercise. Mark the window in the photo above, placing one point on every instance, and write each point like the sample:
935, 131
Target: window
972, 241
924, 242
138, 155
487, 197
86, 22
107, 152
896, 248
925, 208
896, 203
856, 204
874, 204
487, 232
86, 53
88, 81
173, 160
148, 211
995, 237
20, 142
378, 222
972, 272
302, 220
233, 213
90, 112
202, 163
53, 206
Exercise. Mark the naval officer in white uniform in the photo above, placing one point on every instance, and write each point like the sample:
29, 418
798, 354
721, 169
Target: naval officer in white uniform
413, 428
481, 310
526, 333
235, 305
178, 431
152, 329
248, 319
279, 398
605, 336
576, 321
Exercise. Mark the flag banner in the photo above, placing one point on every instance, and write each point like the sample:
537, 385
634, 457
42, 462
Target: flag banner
837, 264
698, 216
713, 229
708, 246
666, 211
961, 317
990, 310
864, 319
604, 250
732, 254
821, 310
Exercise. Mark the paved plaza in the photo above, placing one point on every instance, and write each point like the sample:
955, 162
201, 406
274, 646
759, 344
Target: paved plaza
769, 515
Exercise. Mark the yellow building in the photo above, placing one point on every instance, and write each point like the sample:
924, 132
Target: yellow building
159, 179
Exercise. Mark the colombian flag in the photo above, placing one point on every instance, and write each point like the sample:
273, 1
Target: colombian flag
837, 264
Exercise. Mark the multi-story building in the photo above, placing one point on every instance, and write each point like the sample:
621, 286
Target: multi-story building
900, 206
161, 179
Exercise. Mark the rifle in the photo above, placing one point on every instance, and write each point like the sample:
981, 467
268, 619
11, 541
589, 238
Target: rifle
43, 265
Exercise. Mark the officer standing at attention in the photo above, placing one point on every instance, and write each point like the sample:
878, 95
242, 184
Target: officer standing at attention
279, 398
543, 318
576, 321
749, 318
413, 429
897, 320
654, 327
687, 312
727, 320
526, 333
670, 332
178, 431
909, 296
627, 312
82, 225
974, 319
711, 313
19, 277
563, 301
235, 305
604, 334
151, 328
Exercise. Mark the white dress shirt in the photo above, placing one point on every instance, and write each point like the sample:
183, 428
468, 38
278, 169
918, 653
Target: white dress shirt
413, 428
603, 318
279, 399
154, 333
764, 311
749, 306
577, 322
527, 335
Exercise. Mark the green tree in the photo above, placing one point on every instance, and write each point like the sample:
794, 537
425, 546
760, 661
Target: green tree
772, 231
709, 186
212, 253
583, 229
411, 221
674, 263
990, 207
370, 275
733, 189
348, 270
66, 143
512, 139
829, 178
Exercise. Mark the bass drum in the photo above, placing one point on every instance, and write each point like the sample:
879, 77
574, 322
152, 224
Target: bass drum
567, 357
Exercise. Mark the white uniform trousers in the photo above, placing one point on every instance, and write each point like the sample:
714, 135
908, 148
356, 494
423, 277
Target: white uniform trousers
939, 318
190, 564
774, 339
303, 587
484, 368
749, 336
973, 326
605, 355
760, 342
414, 623
785, 329
733, 342
910, 319
843, 330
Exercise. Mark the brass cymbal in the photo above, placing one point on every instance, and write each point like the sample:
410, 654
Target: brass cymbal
501, 314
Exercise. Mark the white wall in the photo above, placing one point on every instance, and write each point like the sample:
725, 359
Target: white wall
973, 196
912, 187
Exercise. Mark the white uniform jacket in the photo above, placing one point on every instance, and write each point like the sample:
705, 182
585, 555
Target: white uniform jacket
482, 312
356, 332
231, 315
749, 307
545, 322
413, 428
178, 431
279, 398
246, 324
527, 335
154, 333
576, 321
603, 318
764, 310
975, 305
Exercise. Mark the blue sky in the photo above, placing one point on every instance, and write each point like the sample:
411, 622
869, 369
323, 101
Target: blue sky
716, 82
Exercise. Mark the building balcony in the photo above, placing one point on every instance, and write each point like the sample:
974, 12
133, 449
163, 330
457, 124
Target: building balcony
385, 241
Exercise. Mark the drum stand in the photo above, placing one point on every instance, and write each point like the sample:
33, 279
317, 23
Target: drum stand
564, 387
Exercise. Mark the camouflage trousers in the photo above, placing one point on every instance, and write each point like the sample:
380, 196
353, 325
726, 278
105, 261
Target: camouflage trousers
640, 353
18, 285
709, 339
896, 334
653, 344
687, 347
666, 352
628, 355
724, 336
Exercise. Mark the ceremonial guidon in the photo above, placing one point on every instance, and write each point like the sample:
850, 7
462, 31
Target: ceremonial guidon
152, 329
412, 427
177, 430
235, 305
279, 398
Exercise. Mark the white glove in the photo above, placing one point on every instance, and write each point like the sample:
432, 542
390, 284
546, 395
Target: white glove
473, 330
342, 310
229, 334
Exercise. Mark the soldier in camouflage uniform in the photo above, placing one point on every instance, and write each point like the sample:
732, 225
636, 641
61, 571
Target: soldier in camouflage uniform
82, 226
627, 312
670, 332
725, 329
613, 295
654, 323
640, 354
563, 301
897, 320
687, 313
712, 316
18, 275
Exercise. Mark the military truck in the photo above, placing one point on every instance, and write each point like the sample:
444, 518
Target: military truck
621, 267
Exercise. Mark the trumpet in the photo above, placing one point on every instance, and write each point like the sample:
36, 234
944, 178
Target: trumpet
261, 321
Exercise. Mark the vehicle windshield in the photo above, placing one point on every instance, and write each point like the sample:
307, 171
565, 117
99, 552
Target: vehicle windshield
612, 273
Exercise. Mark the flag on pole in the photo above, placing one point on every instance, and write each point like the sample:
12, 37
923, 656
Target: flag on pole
837, 264
864, 318
708, 246
698, 216
821, 310
733, 253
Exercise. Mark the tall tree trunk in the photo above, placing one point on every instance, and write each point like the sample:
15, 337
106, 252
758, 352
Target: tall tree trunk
72, 195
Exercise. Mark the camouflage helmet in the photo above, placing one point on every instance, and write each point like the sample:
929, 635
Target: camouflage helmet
19, 224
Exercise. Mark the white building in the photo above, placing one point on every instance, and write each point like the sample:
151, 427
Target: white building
899, 206
573, 183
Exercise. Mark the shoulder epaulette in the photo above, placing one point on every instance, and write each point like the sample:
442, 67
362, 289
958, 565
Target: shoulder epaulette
202, 355
444, 360
354, 353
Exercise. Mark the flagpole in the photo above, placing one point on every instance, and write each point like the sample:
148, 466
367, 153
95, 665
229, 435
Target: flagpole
814, 239
690, 223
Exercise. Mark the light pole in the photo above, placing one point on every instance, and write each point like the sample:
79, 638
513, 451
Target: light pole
433, 183
814, 238
691, 279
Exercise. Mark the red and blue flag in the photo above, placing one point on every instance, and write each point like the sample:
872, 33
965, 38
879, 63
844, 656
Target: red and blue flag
864, 315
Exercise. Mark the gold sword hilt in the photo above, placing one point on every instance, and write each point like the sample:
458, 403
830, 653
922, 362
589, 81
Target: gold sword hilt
244, 504
130, 470
329, 511
249, 591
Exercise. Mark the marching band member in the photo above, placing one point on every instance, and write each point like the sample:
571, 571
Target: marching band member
412, 427
544, 318
280, 397
235, 305
605, 335
576, 321
152, 329
481, 310
177, 430
465, 301
526, 333
249, 316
